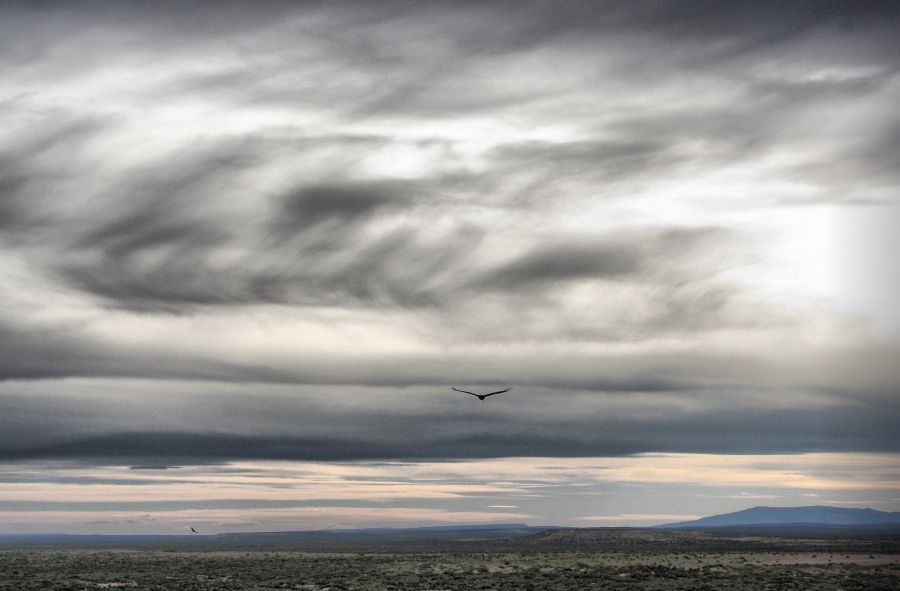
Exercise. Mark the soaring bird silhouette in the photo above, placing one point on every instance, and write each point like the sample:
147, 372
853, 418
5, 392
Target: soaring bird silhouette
481, 396
195, 531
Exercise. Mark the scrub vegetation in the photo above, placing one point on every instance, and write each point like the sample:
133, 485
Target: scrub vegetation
563, 559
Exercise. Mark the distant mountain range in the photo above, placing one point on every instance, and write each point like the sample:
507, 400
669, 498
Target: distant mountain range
814, 515
816, 520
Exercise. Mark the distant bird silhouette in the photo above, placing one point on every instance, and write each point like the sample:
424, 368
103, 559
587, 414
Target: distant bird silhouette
481, 396
195, 531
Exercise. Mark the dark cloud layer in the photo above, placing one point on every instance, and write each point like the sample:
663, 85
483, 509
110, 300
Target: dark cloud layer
639, 252
609, 426
339, 205
610, 205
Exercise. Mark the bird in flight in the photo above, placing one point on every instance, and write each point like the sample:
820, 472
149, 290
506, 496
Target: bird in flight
195, 531
481, 396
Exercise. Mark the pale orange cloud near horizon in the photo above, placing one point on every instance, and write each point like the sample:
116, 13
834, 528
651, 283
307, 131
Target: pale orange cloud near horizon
283, 480
293, 495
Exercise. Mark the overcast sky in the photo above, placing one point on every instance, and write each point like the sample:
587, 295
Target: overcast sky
256, 244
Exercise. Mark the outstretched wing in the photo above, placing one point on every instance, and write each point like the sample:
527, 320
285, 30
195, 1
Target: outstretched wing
497, 392
464, 391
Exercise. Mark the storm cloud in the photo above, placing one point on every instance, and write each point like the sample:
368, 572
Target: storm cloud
282, 232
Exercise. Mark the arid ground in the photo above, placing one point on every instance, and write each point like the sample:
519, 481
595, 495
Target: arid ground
562, 559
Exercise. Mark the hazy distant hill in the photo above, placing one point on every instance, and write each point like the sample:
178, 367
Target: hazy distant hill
816, 515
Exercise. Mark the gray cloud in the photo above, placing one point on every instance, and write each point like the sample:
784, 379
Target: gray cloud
339, 205
640, 252
345, 423
560, 262
593, 201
